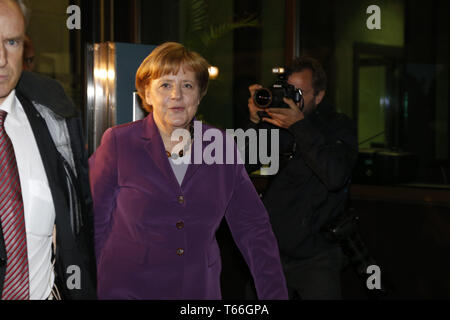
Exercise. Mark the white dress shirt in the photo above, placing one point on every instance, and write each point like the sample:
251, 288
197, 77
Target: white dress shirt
37, 198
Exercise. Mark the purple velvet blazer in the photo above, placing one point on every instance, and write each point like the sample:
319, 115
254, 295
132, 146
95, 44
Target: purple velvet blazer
155, 239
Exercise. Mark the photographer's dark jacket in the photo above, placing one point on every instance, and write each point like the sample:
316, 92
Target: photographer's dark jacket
50, 111
311, 186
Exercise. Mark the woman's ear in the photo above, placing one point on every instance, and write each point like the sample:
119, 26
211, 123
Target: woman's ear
148, 99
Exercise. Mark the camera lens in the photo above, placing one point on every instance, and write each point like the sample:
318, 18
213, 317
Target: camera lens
263, 98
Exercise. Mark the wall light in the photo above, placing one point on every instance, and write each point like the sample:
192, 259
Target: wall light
213, 72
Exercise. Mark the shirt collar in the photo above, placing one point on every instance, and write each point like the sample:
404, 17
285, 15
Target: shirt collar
10, 103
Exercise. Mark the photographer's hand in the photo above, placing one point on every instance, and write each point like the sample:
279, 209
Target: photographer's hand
251, 104
285, 117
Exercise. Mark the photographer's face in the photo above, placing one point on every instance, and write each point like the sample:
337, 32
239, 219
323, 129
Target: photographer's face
303, 80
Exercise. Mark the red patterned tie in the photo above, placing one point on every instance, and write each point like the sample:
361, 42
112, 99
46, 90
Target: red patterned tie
16, 283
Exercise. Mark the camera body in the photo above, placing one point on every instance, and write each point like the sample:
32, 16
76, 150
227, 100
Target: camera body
272, 97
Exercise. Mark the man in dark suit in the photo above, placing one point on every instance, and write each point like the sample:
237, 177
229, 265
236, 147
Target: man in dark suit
318, 150
45, 218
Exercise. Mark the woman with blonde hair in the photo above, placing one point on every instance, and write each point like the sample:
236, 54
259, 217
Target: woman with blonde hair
155, 217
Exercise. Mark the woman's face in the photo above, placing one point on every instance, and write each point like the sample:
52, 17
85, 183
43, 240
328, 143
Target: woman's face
175, 98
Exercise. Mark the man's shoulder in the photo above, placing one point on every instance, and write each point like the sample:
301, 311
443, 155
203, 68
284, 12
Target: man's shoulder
47, 92
328, 112
28, 77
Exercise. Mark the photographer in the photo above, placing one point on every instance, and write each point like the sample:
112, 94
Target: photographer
318, 149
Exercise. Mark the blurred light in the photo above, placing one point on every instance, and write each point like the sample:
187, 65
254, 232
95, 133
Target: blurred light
405, 105
278, 70
385, 102
90, 91
111, 74
213, 72
99, 92
104, 74
100, 74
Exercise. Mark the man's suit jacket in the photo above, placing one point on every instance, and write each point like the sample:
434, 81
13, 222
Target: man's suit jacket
155, 239
74, 250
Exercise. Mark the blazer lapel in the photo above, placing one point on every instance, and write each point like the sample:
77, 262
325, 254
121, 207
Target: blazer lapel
197, 146
154, 147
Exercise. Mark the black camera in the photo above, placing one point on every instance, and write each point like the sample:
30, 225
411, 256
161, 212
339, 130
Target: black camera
272, 97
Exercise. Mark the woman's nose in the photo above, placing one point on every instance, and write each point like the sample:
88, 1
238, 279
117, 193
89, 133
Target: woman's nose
176, 92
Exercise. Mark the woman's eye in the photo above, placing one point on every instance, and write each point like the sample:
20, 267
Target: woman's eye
188, 85
13, 42
165, 85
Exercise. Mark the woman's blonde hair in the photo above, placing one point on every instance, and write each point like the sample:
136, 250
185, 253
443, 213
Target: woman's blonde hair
168, 58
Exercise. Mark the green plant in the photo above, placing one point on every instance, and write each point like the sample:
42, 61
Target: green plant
200, 34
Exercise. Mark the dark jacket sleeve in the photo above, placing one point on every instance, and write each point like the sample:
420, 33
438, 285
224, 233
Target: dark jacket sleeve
330, 156
81, 163
82, 168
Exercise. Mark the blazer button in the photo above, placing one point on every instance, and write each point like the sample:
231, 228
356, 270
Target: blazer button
180, 252
2, 262
180, 225
180, 199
